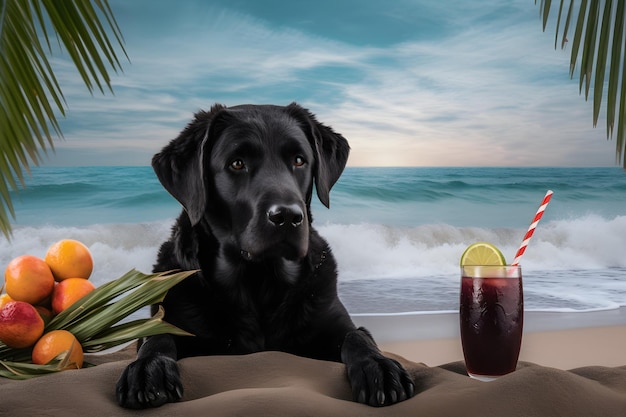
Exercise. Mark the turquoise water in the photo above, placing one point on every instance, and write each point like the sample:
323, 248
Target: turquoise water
397, 233
480, 197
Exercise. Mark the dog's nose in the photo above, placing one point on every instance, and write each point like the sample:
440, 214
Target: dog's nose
290, 215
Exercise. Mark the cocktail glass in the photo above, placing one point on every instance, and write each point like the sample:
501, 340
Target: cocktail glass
492, 318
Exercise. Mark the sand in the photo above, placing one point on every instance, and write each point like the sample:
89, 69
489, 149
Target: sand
576, 369
562, 340
562, 349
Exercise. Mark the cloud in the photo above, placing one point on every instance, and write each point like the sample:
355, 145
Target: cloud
486, 88
493, 94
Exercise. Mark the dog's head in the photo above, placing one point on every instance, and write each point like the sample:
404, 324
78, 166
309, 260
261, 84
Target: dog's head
248, 172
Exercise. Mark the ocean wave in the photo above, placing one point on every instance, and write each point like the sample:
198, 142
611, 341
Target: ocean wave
589, 242
352, 187
407, 191
376, 250
33, 194
148, 198
578, 291
397, 233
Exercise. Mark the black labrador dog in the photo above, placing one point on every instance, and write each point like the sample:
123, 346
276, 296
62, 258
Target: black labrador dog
267, 280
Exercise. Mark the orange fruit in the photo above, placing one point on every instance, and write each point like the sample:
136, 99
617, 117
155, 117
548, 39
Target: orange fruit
69, 258
68, 291
20, 324
5, 299
45, 313
47, 302
28, 278
55, 343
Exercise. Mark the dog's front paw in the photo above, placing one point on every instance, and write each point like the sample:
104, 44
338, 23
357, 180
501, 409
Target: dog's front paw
149, 382
378, 381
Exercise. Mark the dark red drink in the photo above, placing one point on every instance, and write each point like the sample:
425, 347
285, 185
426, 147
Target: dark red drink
491, 316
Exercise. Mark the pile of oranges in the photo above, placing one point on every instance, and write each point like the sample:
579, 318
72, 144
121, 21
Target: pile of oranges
37, 290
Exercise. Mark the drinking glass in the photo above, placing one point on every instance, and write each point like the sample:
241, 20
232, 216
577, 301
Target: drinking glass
492, 318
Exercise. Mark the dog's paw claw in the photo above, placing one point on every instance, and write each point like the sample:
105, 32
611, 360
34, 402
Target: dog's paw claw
380, 397
394, 397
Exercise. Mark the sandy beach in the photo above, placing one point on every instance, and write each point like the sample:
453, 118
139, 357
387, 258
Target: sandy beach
562, 349
571, 365
563, 340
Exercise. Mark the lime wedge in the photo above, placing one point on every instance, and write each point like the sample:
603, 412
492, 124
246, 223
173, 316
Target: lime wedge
482, 253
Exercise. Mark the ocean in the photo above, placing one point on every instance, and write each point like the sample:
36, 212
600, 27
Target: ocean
397, 233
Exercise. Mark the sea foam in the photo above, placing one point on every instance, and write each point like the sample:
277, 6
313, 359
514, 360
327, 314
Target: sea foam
376, 251
575, 264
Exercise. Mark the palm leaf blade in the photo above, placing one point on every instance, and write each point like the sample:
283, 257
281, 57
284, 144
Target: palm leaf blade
126, 332
578, 34
558, 21
616, 57
589, 45
599, 41
621, 119
30, 95
601, 60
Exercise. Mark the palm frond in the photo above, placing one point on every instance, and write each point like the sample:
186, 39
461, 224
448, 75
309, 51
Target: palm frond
30, 95
598, 50
98, 320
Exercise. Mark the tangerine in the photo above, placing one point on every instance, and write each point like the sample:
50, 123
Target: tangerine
47, 302
28, 278
20, 324
45, 313
4, 300
68, 291
69, 258
56, 343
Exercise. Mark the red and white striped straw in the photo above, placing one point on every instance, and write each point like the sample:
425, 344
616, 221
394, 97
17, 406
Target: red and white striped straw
532, 227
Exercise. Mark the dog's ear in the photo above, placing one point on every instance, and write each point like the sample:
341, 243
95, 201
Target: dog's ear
330, 148
180, 165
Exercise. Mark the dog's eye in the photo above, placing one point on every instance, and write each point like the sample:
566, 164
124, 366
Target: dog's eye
298, 161
237, 165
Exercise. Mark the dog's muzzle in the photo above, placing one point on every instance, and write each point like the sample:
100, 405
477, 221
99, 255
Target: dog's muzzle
282, 231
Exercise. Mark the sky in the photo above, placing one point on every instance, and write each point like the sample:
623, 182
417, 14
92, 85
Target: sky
407, 82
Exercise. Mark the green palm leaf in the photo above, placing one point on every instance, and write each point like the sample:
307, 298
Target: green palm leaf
598, 49
98, 320
30, 96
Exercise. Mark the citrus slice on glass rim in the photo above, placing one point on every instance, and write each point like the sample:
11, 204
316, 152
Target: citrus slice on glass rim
482, 253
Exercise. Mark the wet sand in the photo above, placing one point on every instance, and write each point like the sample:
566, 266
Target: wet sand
562, 340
